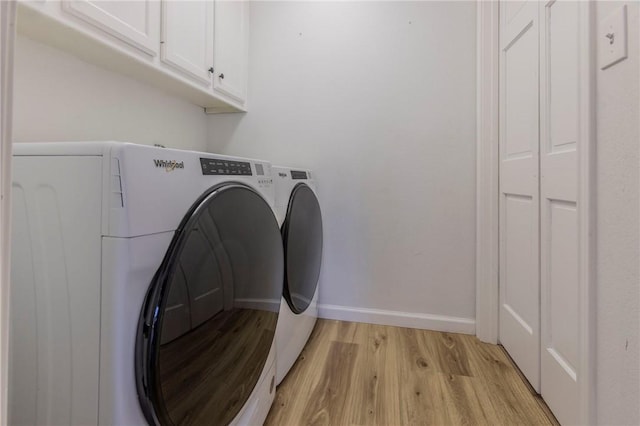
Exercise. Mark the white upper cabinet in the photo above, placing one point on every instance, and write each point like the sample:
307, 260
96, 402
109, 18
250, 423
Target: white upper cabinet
134, 22
195, 49
187, 38
231, 48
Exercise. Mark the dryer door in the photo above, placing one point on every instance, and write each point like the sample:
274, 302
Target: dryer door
210, 314
302, 236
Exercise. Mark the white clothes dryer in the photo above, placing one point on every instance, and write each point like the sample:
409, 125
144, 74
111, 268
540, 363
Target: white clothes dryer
298, 212
146, 286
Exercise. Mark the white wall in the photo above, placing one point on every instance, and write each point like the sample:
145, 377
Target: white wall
61, 98
618, 231
379, 99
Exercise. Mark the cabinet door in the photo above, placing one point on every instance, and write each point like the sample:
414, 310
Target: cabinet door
231, 48
134, 22
187, 37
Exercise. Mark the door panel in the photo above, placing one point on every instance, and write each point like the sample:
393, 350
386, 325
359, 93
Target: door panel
561, 335
519, 187
519, 243
559, 124
521, 97
187, 37
134, 22
230, 48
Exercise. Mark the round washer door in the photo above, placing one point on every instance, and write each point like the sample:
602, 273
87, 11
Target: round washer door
210, 313
302, 236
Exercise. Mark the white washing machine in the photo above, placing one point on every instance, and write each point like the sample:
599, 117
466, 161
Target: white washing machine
298, 212
146, 286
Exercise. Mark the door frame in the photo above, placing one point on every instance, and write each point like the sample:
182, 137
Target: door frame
487, 192
7, 42
487, 170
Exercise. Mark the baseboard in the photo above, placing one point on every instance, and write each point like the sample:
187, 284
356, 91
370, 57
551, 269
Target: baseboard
399, 319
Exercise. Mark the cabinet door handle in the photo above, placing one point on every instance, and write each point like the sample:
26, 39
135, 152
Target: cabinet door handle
211, 70
222, 76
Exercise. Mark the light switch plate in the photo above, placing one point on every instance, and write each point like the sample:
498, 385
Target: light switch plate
612, 38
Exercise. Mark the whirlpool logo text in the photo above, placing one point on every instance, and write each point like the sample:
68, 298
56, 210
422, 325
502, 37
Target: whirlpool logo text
169, 165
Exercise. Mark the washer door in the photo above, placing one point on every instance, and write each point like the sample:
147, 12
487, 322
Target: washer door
210, 313
302, 236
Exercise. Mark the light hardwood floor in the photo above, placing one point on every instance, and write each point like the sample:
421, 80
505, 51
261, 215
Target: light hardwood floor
363, 374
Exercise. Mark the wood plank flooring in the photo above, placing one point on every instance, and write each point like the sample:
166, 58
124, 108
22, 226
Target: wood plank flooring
357, 374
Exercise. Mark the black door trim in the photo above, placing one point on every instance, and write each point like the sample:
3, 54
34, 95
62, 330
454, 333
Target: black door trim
285, 237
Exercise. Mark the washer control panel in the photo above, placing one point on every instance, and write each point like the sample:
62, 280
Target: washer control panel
214, 166
295, 174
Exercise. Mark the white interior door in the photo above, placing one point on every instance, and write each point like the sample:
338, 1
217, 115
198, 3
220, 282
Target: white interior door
559, 125
519, 327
